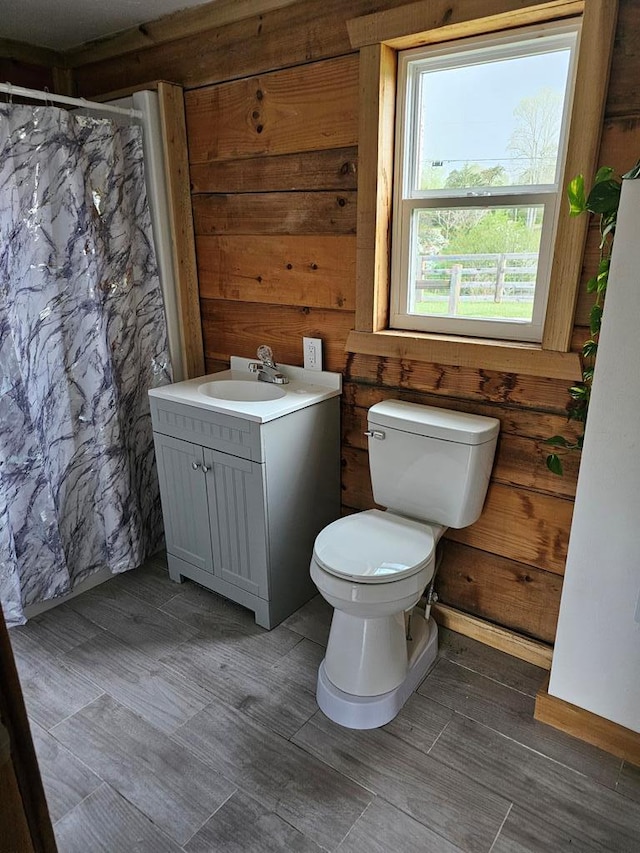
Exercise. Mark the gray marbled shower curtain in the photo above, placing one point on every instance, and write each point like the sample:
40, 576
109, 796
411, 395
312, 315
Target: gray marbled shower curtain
82, 339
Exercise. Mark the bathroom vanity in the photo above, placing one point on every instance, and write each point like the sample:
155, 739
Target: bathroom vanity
249, 474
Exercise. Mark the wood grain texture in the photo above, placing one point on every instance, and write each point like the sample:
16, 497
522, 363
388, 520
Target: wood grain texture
307, 793
281, 270
21, 73
333, 169
511, 713
522, 525
519, 461
518, 358
623, 96
172, 119
275, 213
589, 727
299, 109
515, 595
173, 789
535, 424
415, 24
493, 636
104, 822
592, 77
238, 328
377, 92
177, 25
448, 802
463, 383
306, 31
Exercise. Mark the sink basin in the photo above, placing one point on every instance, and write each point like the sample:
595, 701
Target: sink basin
237, 389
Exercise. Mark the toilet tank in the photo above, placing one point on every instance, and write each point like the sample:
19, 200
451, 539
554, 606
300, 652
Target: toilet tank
431, 464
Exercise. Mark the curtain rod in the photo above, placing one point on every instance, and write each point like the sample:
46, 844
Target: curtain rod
37, 95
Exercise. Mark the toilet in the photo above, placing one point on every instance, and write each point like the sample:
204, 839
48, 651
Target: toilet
430, 469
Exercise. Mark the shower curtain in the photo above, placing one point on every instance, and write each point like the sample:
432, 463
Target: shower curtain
82, 339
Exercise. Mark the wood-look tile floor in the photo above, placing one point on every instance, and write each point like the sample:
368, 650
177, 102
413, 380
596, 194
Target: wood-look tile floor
164, 719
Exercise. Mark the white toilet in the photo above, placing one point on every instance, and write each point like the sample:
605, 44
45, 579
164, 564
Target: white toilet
430, 467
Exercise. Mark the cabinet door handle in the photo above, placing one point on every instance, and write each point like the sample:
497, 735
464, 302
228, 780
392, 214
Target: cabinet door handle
205, 469
195, 466
375, 433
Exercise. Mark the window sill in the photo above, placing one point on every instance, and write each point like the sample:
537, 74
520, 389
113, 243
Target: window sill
478, 353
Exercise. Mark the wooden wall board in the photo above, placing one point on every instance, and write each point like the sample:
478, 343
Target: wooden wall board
518, 596
528, 423
333, 169
316, 271
519, 461
306, 31
623, 97
25, 74
238, 328
461, 382
522, 525
298, 109
275, 213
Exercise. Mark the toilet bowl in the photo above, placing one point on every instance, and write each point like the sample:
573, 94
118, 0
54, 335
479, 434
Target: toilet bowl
430, 468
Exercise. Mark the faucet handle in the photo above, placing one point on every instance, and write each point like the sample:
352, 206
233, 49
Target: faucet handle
265, 354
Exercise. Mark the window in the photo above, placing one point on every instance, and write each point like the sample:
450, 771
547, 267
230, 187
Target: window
481, 136
381, 38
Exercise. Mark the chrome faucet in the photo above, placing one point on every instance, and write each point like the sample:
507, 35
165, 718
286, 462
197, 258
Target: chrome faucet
266, 368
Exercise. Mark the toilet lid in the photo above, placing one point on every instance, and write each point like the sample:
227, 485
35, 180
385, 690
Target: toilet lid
374, 547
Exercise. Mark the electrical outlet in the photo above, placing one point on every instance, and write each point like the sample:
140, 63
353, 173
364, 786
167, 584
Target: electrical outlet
312, 351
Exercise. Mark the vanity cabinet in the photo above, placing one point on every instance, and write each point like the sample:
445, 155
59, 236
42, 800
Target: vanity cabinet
243, 501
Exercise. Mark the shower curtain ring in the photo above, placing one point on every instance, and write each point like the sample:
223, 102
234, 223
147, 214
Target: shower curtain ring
9, 92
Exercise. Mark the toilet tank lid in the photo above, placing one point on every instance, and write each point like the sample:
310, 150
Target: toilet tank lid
432, 422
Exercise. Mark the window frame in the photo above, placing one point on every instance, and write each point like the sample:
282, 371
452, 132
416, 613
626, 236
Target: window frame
379, 37
407, 198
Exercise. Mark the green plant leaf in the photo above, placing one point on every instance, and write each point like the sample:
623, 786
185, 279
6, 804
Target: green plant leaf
592, 285
554, 464
557, 441
595, 319
590, 349
603, 174
604, 197
577, 199
633, 174
587, 374
580, 441
578, 392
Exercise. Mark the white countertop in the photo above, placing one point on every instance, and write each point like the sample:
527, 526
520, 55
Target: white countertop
305, 388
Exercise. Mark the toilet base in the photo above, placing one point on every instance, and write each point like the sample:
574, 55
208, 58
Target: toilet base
371, 712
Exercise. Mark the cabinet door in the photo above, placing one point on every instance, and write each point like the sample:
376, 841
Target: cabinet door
183, 489
238, 529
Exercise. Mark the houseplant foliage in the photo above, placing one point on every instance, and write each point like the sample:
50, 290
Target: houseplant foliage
603, 201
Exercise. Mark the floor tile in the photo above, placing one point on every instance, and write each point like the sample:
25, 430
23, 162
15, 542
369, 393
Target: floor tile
313, 620
54, 692
527, 832
156, 775
150, 583
383, 828
313, 798
242, 825
496, 665
511, 713
58, 630
232, 627
278, 702
629, 782
446, 801
106, 823
66, 780
419, 722
153, 691
566, 799
301, 664
132, 620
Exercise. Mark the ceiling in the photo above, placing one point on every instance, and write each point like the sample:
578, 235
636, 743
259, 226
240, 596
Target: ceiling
63, 24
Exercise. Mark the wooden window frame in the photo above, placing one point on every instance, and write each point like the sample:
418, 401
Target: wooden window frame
379, 37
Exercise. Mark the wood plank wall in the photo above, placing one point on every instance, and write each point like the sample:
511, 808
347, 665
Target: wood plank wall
271, 107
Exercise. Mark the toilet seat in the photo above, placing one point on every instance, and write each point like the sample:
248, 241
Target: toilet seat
374, 547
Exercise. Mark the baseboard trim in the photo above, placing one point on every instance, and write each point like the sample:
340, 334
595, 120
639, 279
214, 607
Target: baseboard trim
507, 641
587, 726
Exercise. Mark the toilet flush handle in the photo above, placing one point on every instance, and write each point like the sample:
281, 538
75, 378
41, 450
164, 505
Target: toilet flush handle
374, 433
